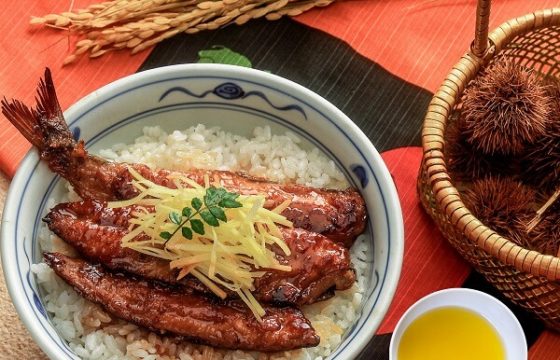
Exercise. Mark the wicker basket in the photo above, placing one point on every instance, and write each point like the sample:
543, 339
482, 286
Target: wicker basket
526, 277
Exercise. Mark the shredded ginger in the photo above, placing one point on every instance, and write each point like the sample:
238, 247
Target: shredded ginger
228, 256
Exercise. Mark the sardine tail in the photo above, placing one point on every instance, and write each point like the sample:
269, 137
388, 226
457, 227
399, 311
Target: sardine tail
47, 102
25, 119
44, 126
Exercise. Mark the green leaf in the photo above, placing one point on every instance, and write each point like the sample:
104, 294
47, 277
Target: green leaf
231, 195
230, 204
228, 199
187, 211
175, 217
214, 196
223, 55
166, 235
197, 226
196, 203
218, 213
210, 196
222, 192
187, 233
208, 218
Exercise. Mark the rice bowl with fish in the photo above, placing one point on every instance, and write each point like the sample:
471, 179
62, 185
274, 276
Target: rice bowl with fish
281, 156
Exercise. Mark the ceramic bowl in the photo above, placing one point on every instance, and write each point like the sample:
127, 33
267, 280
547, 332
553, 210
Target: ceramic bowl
494, 311
237, 99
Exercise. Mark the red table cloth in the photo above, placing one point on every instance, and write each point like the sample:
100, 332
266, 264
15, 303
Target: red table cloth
398, 53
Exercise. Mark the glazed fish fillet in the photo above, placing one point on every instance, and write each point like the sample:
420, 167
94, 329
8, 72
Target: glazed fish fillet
318, 264
340, 215
158, 307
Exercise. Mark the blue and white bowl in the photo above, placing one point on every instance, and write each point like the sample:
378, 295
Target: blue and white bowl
237, 99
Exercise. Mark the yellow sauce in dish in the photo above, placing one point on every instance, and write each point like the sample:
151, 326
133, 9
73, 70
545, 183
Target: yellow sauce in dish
450, 333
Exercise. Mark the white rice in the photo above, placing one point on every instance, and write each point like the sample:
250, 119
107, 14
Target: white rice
275, 157
94, 334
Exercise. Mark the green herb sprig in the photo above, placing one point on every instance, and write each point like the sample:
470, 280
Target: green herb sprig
210, 209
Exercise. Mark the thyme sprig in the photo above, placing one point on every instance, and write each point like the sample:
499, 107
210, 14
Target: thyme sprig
209, 210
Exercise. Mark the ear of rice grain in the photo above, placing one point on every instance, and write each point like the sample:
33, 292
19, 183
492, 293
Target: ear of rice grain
147, 22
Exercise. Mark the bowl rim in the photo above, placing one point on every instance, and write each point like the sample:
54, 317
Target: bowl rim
386, 186
467, 293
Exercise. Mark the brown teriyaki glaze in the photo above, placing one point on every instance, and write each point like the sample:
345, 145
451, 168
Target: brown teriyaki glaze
229, 324
318, 264
339, 214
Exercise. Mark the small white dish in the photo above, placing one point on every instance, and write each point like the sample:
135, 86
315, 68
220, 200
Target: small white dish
494, 311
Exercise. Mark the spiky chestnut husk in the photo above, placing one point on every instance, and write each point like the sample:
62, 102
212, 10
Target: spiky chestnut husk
540, 165
466, 164
500, 202
506, 206
505, 108
544, 238
553, 90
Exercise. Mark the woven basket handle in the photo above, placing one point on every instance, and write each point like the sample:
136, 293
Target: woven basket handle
480, 43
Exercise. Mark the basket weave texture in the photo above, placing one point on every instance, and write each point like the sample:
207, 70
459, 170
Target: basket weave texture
526, 277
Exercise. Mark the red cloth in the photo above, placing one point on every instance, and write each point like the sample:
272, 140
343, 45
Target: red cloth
25, 51
428, 258
416, 40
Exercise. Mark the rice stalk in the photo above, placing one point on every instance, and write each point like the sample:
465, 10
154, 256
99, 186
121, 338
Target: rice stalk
139, 24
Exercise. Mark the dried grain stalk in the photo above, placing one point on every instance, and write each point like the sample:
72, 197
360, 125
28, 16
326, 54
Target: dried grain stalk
139, 24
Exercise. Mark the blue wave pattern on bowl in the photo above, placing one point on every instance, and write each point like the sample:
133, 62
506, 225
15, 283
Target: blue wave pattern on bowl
76, 131
228, 91
360, 173
30, 283
231, 91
